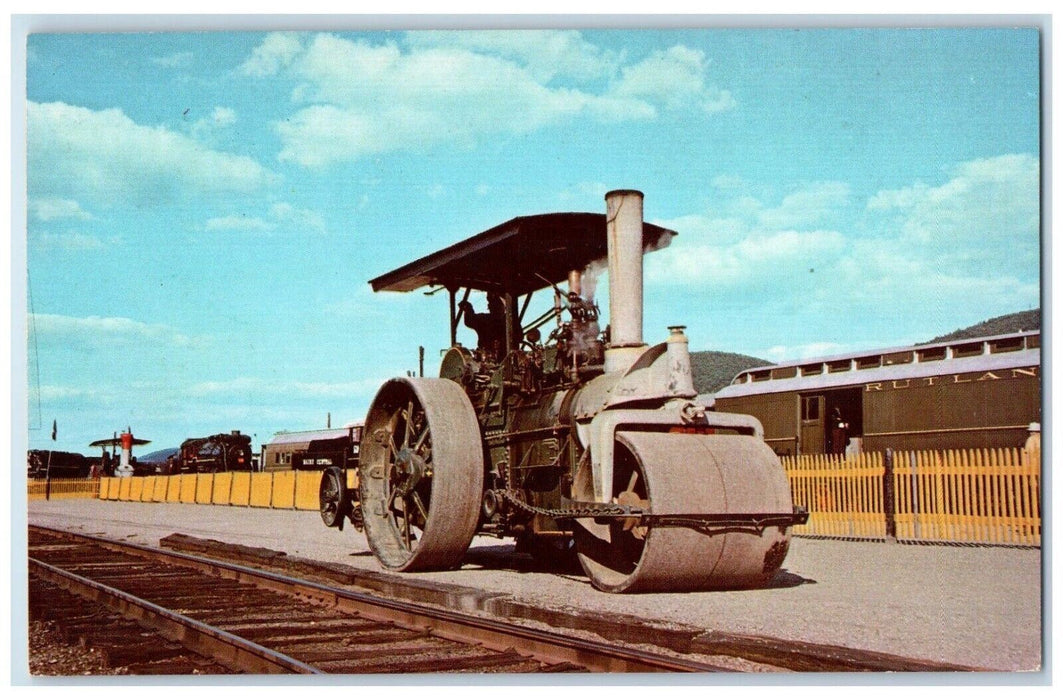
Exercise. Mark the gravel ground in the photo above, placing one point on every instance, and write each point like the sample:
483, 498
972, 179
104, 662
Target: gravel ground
972, 606
53, 657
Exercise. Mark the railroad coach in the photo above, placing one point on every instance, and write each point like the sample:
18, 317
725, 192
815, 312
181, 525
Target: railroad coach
313, 449
971, 393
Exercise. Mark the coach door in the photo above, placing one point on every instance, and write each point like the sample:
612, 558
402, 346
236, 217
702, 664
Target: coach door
812, 430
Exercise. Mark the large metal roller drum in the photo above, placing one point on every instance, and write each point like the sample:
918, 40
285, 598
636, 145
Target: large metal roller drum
672, 474
421, 474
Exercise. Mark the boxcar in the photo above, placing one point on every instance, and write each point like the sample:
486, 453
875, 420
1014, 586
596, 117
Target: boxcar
975, 393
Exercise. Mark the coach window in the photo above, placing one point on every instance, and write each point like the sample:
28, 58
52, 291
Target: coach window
897, 358
784, 372
931, 354
869, 362
1005, 345
968, 350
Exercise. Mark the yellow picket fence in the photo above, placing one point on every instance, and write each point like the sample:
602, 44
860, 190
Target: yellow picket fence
288, 490
967, 496
843, 496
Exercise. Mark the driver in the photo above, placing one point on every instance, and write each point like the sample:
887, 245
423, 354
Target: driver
490, 327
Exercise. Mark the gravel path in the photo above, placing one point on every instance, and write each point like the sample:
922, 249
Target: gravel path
972, 606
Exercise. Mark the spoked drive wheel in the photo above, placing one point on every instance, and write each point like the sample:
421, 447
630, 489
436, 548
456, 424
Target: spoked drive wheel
421, 474
680, 474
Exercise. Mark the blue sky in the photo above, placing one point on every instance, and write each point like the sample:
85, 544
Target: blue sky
204, 209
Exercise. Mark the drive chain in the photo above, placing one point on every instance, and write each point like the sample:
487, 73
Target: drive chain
588, 510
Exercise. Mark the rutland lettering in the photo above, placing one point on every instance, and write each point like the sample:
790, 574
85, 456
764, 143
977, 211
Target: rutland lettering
989, 376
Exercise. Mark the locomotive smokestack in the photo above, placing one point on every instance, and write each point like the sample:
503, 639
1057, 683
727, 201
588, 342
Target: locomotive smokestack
623, 216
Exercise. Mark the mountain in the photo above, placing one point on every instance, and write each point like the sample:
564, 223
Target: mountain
1008, 323
715, 370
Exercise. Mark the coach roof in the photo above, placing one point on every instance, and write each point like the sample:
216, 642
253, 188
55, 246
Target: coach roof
987, 354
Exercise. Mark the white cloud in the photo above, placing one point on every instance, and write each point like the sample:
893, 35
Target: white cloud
238, 222
545, 54
206, 129
51, 392
924, 254
279, 214
757, 260
674, 78
359, 99
70, 241
302, 219
174, 60
809, 205
77, 151
749, 245
50, 209
373, 99
223, 116
984, 219
275, 52
784, 353
97, 331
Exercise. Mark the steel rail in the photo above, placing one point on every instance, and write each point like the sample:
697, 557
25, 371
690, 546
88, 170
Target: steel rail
230, 650
544, 645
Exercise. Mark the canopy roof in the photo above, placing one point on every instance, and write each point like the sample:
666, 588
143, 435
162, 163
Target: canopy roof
117, 441
511, 257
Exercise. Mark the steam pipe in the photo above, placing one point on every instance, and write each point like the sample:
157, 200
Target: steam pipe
575, 282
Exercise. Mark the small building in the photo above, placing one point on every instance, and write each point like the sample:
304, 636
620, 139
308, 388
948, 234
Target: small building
972, 393
313, 449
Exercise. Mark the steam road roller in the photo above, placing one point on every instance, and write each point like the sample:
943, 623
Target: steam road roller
570, 438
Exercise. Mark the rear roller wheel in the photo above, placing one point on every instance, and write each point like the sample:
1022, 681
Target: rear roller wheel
677, 474
422, 474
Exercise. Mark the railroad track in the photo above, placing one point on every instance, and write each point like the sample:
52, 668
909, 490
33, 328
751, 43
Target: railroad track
242, 620
266, 620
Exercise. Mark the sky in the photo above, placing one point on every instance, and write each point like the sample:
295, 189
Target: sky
204, 209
